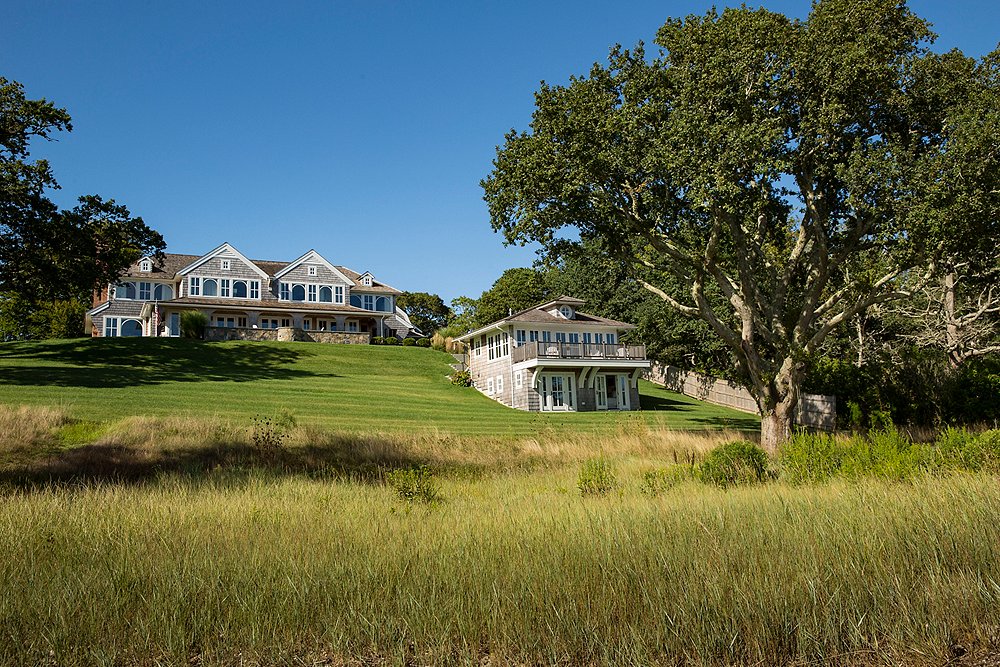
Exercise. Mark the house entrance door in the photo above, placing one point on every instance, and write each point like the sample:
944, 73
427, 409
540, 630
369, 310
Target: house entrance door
557, 392
611, 390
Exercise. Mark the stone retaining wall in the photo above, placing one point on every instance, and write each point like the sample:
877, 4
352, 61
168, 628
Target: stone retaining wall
287, 334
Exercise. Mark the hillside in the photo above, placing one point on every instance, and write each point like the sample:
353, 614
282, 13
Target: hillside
339, 387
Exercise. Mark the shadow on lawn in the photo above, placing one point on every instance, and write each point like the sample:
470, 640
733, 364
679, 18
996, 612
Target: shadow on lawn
359, 458
737, 422
130, 362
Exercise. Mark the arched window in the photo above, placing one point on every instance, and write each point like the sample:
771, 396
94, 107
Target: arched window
125, 291
210, 287
355, 300
325, 294
131, 328
162, 293
239, 289
298, 293
382, 304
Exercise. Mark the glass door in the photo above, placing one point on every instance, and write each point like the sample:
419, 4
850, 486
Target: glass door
601, 389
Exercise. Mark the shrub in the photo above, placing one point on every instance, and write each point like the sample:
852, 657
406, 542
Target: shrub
377, 340
983, 453
391, 340
193, 323
461, 378
409, 342
733, 463
885, 454
806, 458
423, 342
655, 482
268, 433
597, 477
414, 484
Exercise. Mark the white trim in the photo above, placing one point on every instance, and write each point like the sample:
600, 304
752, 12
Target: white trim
314, 257
217, 252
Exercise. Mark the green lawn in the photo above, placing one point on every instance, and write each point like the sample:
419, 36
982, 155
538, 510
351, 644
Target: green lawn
340, 387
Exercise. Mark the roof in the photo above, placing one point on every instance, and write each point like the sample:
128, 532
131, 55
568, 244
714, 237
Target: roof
539, 315
173, 263
273, 306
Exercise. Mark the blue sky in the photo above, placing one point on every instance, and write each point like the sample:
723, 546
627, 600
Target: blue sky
361, 129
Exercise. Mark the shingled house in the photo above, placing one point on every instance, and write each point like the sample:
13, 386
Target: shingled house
554, 357
243, 297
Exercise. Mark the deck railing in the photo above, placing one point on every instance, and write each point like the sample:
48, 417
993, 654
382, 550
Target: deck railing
541, 350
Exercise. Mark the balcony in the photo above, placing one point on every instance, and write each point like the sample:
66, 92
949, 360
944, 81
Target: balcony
582, 351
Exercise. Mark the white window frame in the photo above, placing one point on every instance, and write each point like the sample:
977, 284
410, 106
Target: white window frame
194, 286
338, 294
226, 265
489, 386
253, 289
225, 288
111, 325
145, 266
499, 384
519, 379
312, 292
311, 270
144, 288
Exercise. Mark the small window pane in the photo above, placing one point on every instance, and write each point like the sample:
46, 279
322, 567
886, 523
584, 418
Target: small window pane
325, 294
298, 293
210, 287
239, 289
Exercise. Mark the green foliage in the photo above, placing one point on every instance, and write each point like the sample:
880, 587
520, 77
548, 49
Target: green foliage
515, 290
886, 454
193, 324
426, 311
661, 480
597, 477
423, 342
49, 254
909, 386
23, 320
409, 342
377, 340
734, 463
461, 378
390, 340
414, 484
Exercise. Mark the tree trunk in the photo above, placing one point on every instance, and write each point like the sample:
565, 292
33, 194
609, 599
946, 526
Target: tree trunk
775, 428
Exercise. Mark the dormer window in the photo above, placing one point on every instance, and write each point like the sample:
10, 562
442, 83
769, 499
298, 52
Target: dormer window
367, 281
566, 312
226, 265
145, 266
312, 270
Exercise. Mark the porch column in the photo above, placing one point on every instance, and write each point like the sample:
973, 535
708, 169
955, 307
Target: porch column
341, 322
253, 318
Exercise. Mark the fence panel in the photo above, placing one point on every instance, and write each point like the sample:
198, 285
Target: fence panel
814, 410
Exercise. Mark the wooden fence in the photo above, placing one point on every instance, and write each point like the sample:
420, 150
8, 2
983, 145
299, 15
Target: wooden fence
814, 410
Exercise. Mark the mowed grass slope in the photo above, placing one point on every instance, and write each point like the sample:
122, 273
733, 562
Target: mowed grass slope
337, 387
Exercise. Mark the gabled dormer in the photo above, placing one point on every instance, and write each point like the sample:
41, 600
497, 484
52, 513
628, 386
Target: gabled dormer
366, 279
312, 267
564, 307
225, 273
146, 265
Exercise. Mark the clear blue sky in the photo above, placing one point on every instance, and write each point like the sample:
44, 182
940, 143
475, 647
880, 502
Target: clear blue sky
359, 128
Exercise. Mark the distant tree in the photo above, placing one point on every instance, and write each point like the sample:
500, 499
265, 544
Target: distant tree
765, 159
515, 290
427, 311
47, 254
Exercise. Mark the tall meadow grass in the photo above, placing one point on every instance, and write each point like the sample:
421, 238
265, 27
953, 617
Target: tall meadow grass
251, 568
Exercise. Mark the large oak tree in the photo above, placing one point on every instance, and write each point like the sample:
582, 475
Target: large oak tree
761, 158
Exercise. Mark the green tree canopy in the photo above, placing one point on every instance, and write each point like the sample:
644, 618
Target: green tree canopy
48, 254
515, 290
765, 159
427, 311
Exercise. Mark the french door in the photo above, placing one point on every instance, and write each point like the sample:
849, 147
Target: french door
557, 392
